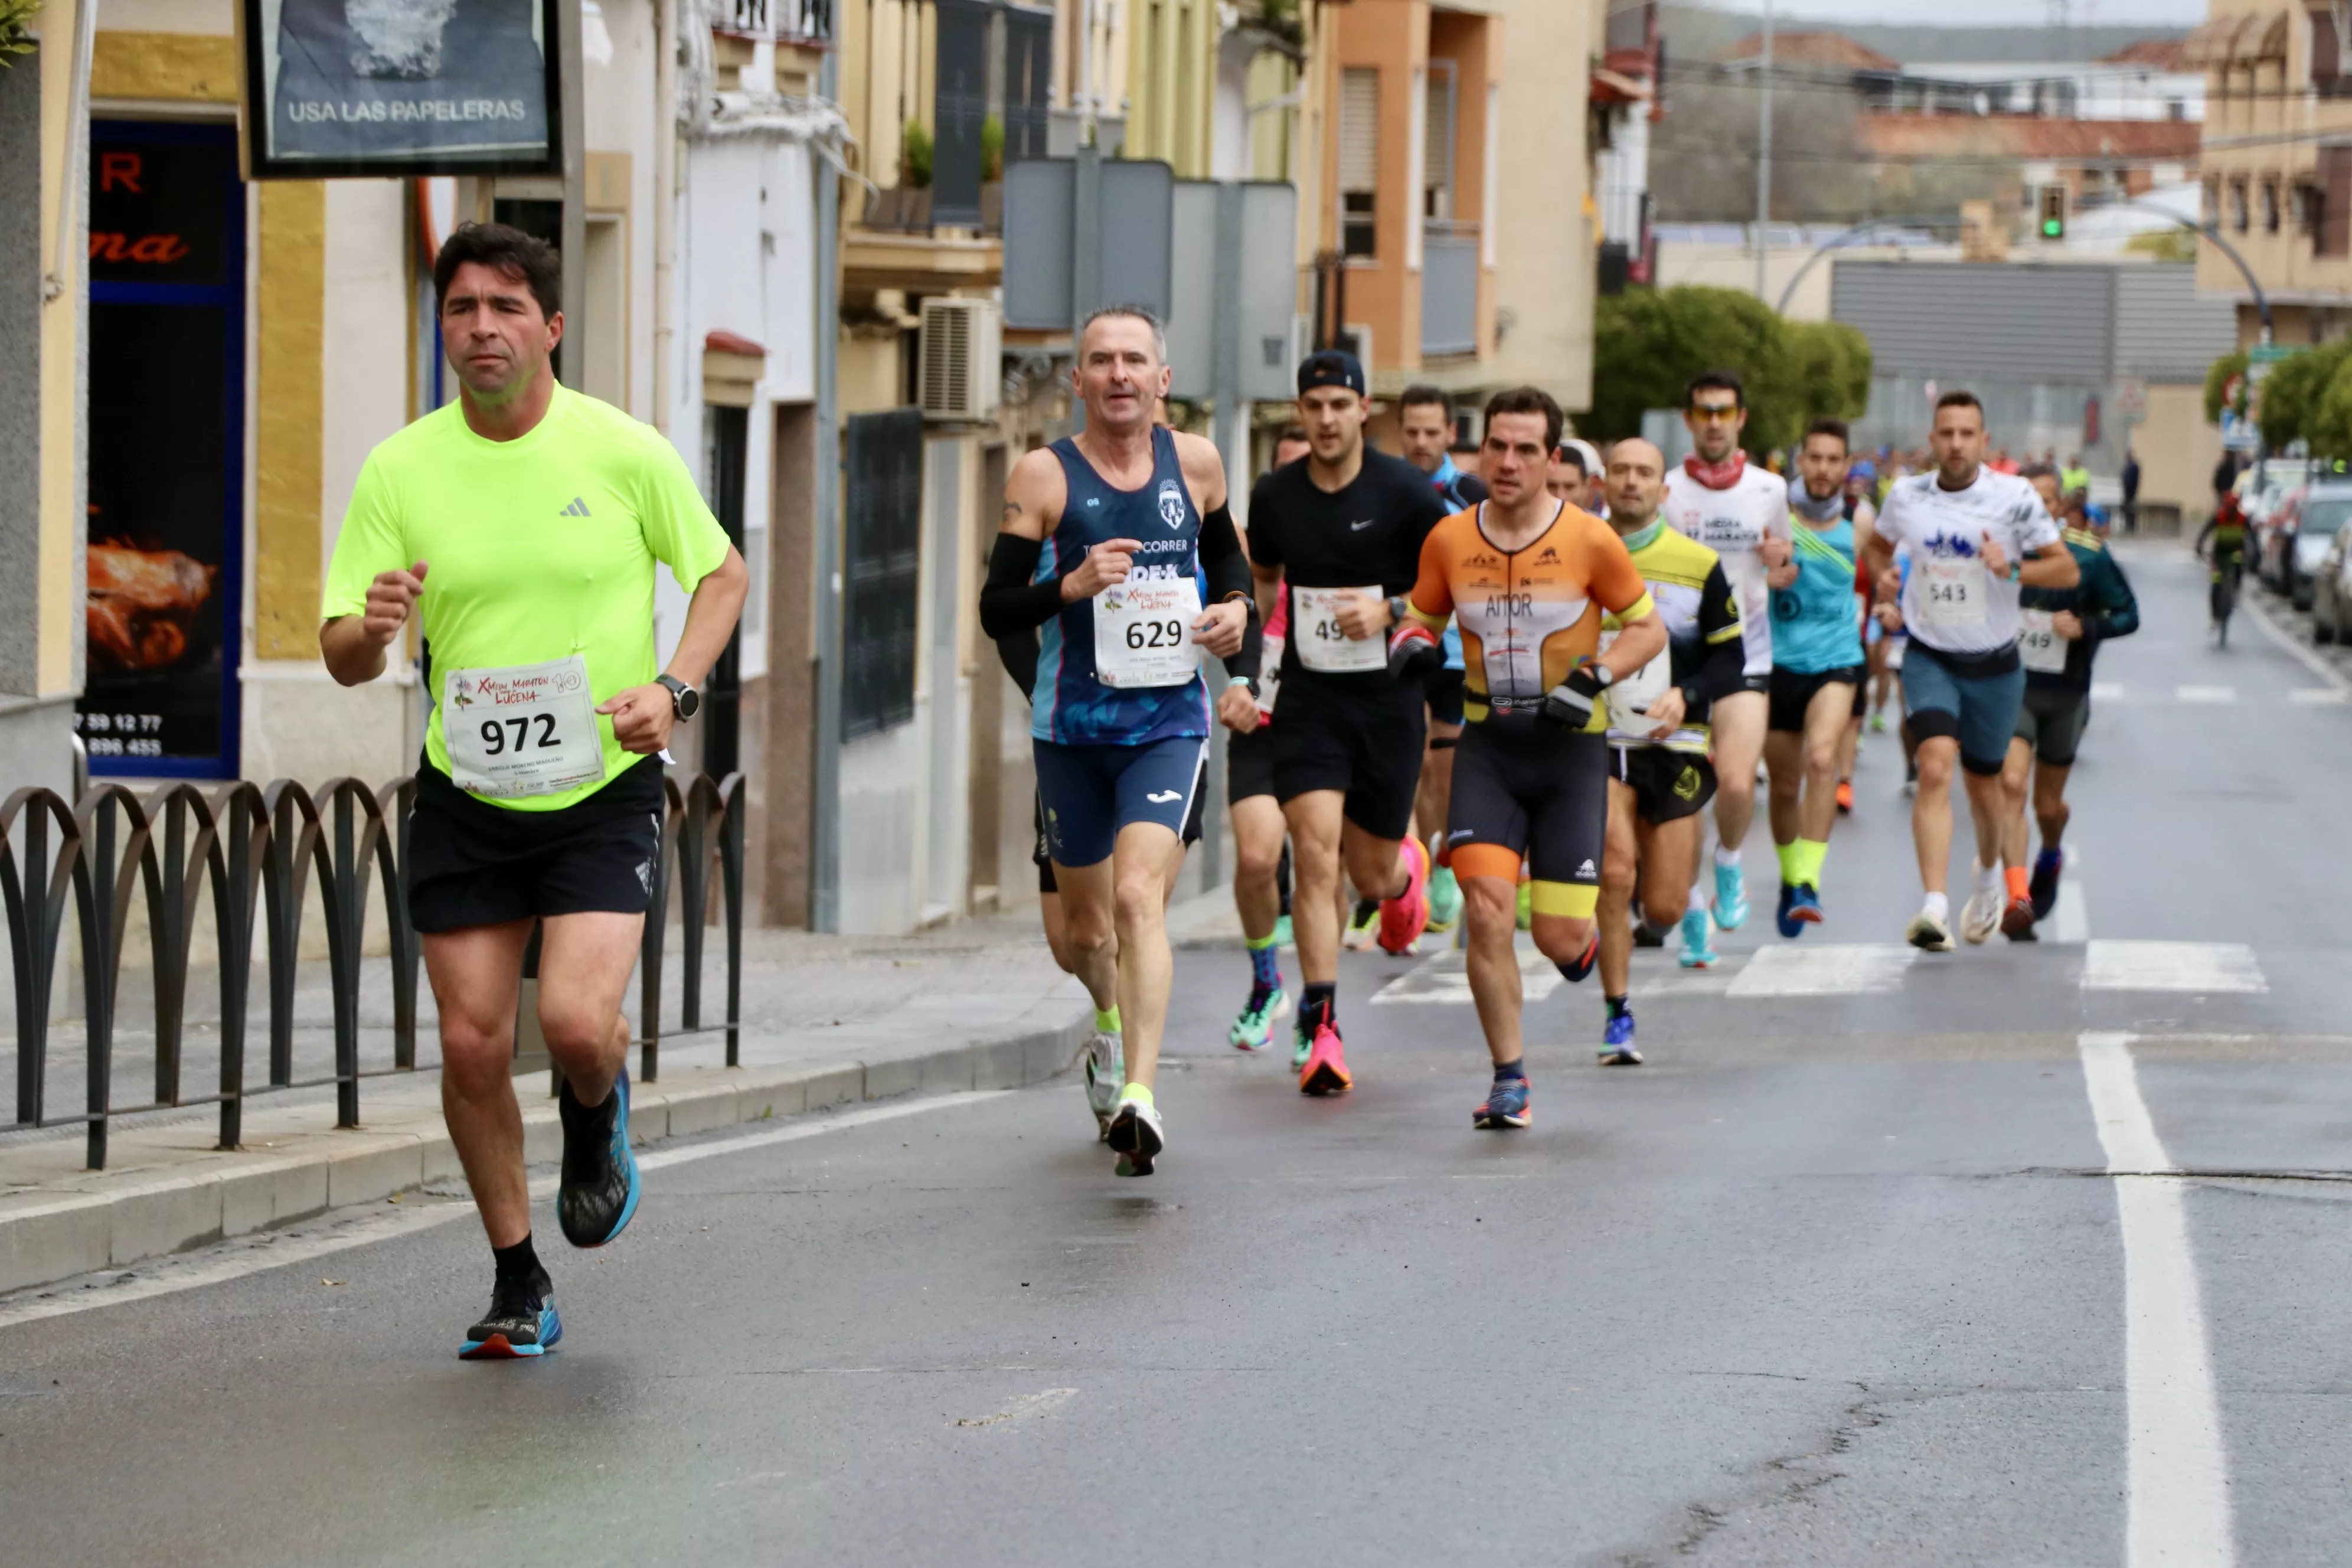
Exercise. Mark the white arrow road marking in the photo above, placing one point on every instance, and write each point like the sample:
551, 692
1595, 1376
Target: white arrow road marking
2178, 1509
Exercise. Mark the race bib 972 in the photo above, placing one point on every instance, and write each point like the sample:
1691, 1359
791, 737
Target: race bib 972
521, 729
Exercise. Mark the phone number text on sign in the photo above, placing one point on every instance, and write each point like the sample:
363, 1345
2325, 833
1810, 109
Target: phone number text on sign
121, 735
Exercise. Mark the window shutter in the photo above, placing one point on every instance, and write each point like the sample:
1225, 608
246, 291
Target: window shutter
1360, 128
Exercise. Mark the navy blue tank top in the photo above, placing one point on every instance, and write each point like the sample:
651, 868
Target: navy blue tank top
1071, 705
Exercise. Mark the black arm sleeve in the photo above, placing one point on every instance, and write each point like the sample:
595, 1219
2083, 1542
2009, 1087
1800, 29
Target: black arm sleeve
1228, 572
1010, 603
1725, 660
1019, 652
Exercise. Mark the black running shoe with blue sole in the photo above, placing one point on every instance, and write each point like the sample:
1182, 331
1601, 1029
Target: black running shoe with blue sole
598, 1194
522, 1322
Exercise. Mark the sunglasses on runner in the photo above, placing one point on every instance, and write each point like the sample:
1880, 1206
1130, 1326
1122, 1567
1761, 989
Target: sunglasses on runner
1712, 411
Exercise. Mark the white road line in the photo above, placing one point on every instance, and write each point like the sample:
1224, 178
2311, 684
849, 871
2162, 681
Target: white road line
1830, 969
2179, 1510
1444, 979
251, 1254
2201, 966
2071, 921
2317, 696
2208, 694
2106, 692
2307, 657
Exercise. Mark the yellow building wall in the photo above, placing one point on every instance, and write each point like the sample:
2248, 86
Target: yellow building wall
1171, 76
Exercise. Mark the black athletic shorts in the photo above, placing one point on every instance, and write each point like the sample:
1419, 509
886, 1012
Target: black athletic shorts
1793, 693
1249, 764
471, 863
1444, 688
1536, 791
1364, 741
1753, 681
1042, 855
1668, 785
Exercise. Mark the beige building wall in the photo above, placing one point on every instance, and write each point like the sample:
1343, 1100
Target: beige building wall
1547, 229
2178, 449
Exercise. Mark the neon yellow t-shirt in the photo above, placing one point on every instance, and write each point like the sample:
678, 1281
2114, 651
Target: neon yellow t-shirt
535, 549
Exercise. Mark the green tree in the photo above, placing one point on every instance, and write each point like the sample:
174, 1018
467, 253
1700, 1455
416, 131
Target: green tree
2217, 381
2327, 426
1647, 344
2291, 393
991, 148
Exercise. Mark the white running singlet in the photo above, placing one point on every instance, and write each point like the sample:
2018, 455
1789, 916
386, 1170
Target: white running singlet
1732, 522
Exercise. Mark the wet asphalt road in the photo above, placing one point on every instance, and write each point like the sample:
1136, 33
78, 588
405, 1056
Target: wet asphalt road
1837, 1277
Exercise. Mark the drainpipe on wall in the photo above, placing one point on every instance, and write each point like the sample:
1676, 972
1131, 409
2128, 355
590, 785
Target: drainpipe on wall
77, 148
825, 828
665, 146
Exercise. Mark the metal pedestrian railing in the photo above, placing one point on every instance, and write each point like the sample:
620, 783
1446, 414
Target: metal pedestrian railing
261, 849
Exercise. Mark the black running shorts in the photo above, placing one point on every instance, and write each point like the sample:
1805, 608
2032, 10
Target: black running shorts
1364, 740
1534, 790
471, 863
1792, 693
1249, 764
1666, 784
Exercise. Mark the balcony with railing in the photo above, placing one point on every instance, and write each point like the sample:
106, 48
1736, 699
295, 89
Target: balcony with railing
1449, 289
786, 21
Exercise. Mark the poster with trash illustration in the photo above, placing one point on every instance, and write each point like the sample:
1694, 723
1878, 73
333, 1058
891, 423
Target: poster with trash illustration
350, 87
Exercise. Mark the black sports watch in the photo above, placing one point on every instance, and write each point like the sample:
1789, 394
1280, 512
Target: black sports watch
685, 699
1400, 606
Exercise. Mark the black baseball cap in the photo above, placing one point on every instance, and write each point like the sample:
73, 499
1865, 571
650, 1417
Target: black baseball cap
1332, 367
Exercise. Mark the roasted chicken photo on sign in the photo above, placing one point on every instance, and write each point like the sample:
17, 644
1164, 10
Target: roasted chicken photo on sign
143, 605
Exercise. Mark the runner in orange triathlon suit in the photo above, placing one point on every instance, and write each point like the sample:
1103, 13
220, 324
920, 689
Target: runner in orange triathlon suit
1528, 579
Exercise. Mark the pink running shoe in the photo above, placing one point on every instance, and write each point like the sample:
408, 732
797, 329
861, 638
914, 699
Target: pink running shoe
1406, 916
1326, 1064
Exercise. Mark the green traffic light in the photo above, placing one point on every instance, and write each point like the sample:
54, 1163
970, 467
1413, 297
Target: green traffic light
2051, 227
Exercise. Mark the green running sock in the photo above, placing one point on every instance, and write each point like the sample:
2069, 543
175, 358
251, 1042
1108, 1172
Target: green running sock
1791, 862
1811, 852
1108, 1022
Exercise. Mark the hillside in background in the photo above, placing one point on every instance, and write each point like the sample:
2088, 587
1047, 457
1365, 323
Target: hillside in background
1698, 32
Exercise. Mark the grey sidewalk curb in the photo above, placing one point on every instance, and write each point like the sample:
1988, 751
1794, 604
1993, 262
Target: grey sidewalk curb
110, 1220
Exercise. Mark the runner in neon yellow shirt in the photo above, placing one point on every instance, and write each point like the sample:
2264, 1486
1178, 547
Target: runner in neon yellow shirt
522, 526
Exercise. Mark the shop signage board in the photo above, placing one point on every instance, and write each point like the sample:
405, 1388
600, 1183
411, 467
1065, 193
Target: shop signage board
354, 88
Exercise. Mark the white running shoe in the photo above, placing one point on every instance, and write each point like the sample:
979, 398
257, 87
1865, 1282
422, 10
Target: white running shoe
1929, 933
1980, 917
1136, 1135
1105, 1070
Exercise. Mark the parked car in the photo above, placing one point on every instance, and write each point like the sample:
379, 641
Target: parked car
2331, 597
2319, 522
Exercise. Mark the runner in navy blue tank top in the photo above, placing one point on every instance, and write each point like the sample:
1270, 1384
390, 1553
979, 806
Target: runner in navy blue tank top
1109, 540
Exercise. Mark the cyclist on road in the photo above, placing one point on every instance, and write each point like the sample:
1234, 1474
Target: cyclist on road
1528, 579
2227, 532
520, 526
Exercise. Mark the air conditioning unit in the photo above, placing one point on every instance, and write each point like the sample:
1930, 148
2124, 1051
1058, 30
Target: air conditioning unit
960, 351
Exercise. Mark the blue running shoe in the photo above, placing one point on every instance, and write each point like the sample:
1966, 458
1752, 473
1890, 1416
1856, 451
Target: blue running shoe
1617, 1048
1697, 954
1505, 1106
597, 1195
1780, 917
1730, 896
2044, 886
1804, 909
521, 1321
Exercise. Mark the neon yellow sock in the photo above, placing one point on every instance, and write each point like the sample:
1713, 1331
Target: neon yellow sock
1108, 1022
1255, 942
1790, 860
1136, 1091
1811, 853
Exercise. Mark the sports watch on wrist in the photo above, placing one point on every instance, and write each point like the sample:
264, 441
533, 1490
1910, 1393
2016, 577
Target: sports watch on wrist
684, 699
1398, 608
